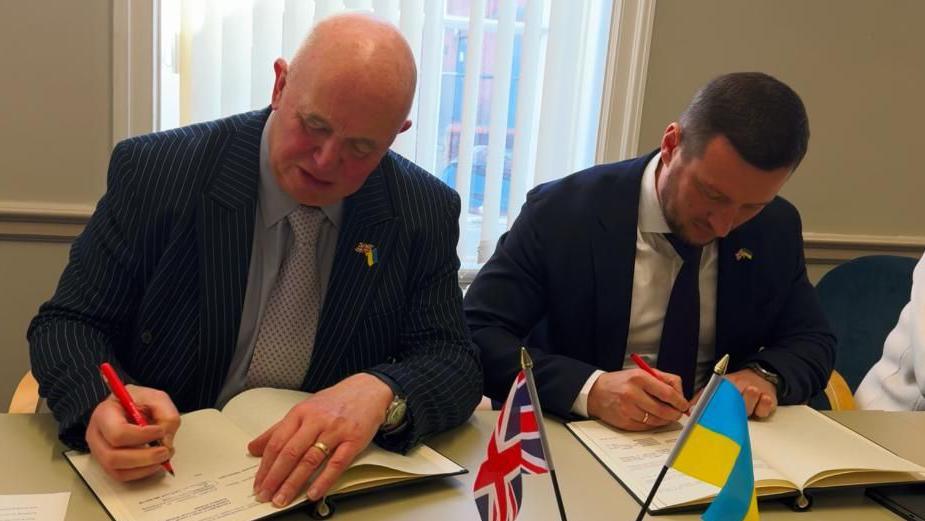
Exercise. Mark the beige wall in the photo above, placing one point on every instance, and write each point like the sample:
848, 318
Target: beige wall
859, 66
55, 101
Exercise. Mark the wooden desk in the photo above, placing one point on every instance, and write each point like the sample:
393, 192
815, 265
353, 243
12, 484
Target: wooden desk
33, 463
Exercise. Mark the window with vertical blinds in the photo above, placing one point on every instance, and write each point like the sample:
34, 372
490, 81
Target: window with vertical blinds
509, 91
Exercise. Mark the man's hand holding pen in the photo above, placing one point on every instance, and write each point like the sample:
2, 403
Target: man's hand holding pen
124, 449
635, 400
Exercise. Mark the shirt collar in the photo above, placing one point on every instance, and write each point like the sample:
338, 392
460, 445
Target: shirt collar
651, 217
275, 203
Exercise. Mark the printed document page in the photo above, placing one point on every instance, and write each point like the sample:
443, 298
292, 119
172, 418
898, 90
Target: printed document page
214, 480
637, 457
215, 474
34, 507
796, 448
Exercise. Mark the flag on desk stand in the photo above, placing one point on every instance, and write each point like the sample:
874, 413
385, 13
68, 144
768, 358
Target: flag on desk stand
714, 447
517, 446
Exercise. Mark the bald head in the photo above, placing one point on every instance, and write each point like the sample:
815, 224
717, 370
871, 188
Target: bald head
338, 107
361, 51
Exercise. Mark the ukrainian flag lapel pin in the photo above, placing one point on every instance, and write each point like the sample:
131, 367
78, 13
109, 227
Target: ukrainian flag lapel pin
744, 254
370, 251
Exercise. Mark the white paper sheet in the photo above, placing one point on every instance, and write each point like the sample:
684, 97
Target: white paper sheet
34, 507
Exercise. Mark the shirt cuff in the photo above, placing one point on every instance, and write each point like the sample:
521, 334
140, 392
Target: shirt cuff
580, 407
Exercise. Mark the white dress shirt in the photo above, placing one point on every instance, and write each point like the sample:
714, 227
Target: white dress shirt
655, 268
897, 381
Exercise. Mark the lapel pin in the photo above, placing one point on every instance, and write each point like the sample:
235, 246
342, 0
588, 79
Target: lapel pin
744, 253
370, 251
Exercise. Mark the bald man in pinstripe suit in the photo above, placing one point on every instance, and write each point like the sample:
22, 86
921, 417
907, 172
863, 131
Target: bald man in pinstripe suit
171, 279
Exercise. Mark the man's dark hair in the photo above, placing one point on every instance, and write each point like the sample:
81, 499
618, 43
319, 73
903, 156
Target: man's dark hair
762, 118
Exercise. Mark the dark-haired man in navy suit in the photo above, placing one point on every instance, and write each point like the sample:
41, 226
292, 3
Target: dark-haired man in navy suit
680, 256
285, 247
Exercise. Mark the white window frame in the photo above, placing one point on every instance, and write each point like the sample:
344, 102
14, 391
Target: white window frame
625, 80
135, 59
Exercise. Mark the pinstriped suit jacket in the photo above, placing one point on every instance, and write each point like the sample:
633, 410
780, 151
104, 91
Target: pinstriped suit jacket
156, 282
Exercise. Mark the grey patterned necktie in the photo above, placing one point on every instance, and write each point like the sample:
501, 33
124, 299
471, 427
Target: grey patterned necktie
287, 332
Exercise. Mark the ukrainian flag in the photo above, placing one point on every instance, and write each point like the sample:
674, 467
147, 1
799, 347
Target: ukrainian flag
715, 448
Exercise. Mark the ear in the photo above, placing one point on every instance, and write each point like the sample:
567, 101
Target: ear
405, 126
281, 69
671, 143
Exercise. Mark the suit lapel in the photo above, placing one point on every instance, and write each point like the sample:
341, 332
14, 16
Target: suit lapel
226, 230
734, 278
613, 246
369, 220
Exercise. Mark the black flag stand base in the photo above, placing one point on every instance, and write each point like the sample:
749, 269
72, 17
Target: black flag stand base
658, 481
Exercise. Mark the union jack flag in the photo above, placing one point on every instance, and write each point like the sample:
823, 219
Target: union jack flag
514, 448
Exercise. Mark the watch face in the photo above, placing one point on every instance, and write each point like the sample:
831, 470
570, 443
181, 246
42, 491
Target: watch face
395, 415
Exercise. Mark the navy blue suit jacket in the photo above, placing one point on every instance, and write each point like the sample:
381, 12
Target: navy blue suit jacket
156, 282
560, 282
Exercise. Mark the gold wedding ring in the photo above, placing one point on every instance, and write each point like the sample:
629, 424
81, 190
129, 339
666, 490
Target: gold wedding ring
322, 447
645, 419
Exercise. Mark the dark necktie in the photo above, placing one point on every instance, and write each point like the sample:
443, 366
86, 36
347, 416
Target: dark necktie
677, 352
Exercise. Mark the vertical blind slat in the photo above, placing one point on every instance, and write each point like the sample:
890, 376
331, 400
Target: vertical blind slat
358, 5
411, 23
236, 63
471, 84
265, 49
297, 20
325, 8
201, 52
526, 124
497, 137
387, 9
584, 123
429, 78
556, 139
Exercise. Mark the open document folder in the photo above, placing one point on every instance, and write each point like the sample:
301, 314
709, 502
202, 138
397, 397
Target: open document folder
215, 473
795, 451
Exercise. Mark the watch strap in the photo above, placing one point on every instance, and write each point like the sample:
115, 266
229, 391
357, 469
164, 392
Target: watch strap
768, 374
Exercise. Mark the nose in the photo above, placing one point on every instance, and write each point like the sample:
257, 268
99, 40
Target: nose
722, 221
327, 155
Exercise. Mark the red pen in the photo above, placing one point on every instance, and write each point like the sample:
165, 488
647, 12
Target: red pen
641, 363
134, 415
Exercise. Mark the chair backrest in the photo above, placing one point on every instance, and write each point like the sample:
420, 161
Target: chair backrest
862, 299
26, 396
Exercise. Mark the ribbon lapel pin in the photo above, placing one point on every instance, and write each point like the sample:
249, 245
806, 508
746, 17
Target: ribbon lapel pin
370, 251
744, 254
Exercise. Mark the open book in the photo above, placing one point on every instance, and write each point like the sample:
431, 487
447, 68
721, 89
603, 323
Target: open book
795, 451
215, 473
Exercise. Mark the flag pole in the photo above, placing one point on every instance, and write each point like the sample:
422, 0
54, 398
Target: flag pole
526, 363
719, 370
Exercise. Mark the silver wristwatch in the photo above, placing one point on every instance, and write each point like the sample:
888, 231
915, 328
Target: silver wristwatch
770, 376
394, 415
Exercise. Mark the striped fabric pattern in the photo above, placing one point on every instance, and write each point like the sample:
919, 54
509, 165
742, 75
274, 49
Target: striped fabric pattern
156, 282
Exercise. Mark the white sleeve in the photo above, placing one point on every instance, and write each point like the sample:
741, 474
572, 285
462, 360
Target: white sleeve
580, 407
897, 381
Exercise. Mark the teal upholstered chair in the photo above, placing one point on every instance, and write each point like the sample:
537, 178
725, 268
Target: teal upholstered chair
862, 299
